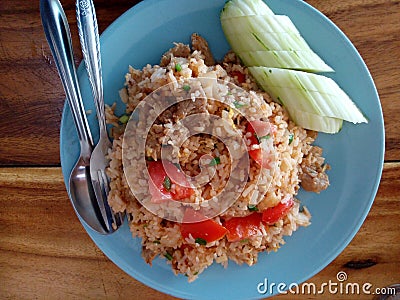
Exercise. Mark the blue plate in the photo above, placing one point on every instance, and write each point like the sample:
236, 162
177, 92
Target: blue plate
146, 31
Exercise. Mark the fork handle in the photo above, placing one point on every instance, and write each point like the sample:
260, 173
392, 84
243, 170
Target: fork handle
58, 35
90, 44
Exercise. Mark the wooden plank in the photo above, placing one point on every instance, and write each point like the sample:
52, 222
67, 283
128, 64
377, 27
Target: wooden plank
45, 252
32, 97
373, 27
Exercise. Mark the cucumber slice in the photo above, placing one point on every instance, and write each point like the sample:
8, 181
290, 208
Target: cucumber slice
271, 33
259, 23
261, 41
277, 54
299, 60
294, 90
235, 8
294, 98
316, 122
310, 81
308, 120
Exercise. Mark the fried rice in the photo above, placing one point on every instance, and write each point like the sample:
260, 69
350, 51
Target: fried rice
294, 153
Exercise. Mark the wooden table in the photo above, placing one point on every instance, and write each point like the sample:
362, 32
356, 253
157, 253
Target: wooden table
45, 252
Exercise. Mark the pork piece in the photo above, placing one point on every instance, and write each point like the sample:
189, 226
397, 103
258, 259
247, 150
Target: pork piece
313, 177
180, 50
200, 44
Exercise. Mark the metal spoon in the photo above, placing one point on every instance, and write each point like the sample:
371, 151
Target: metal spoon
59, 38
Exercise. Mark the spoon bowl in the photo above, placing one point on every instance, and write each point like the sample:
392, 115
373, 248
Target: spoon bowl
81, 194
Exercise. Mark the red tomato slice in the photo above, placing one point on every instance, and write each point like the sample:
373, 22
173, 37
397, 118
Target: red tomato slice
273, 214
159, 187
156, 182
259, 129
208, 229
240, 228
240, 76
260, 157
182, 189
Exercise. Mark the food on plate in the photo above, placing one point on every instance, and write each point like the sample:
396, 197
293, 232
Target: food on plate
261, 38
321, 98
283, 64
274, 156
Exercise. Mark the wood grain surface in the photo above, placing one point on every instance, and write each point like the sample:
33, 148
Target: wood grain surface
45, 252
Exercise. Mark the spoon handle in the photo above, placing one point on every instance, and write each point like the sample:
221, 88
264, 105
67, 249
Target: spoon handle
90, 44
58, 35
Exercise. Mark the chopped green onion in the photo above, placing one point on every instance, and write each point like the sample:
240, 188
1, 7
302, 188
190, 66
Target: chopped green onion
178, 67
215, 161
200, 241
244, 241
265, 137
195, 273
168, 256
123, 119
167, 183
291, 136
252, 207
237, 104
186, 87
156, 242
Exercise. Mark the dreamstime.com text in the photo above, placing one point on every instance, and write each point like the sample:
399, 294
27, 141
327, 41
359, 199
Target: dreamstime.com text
339, 286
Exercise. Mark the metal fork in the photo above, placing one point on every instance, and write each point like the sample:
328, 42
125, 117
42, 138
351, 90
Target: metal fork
90, 44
